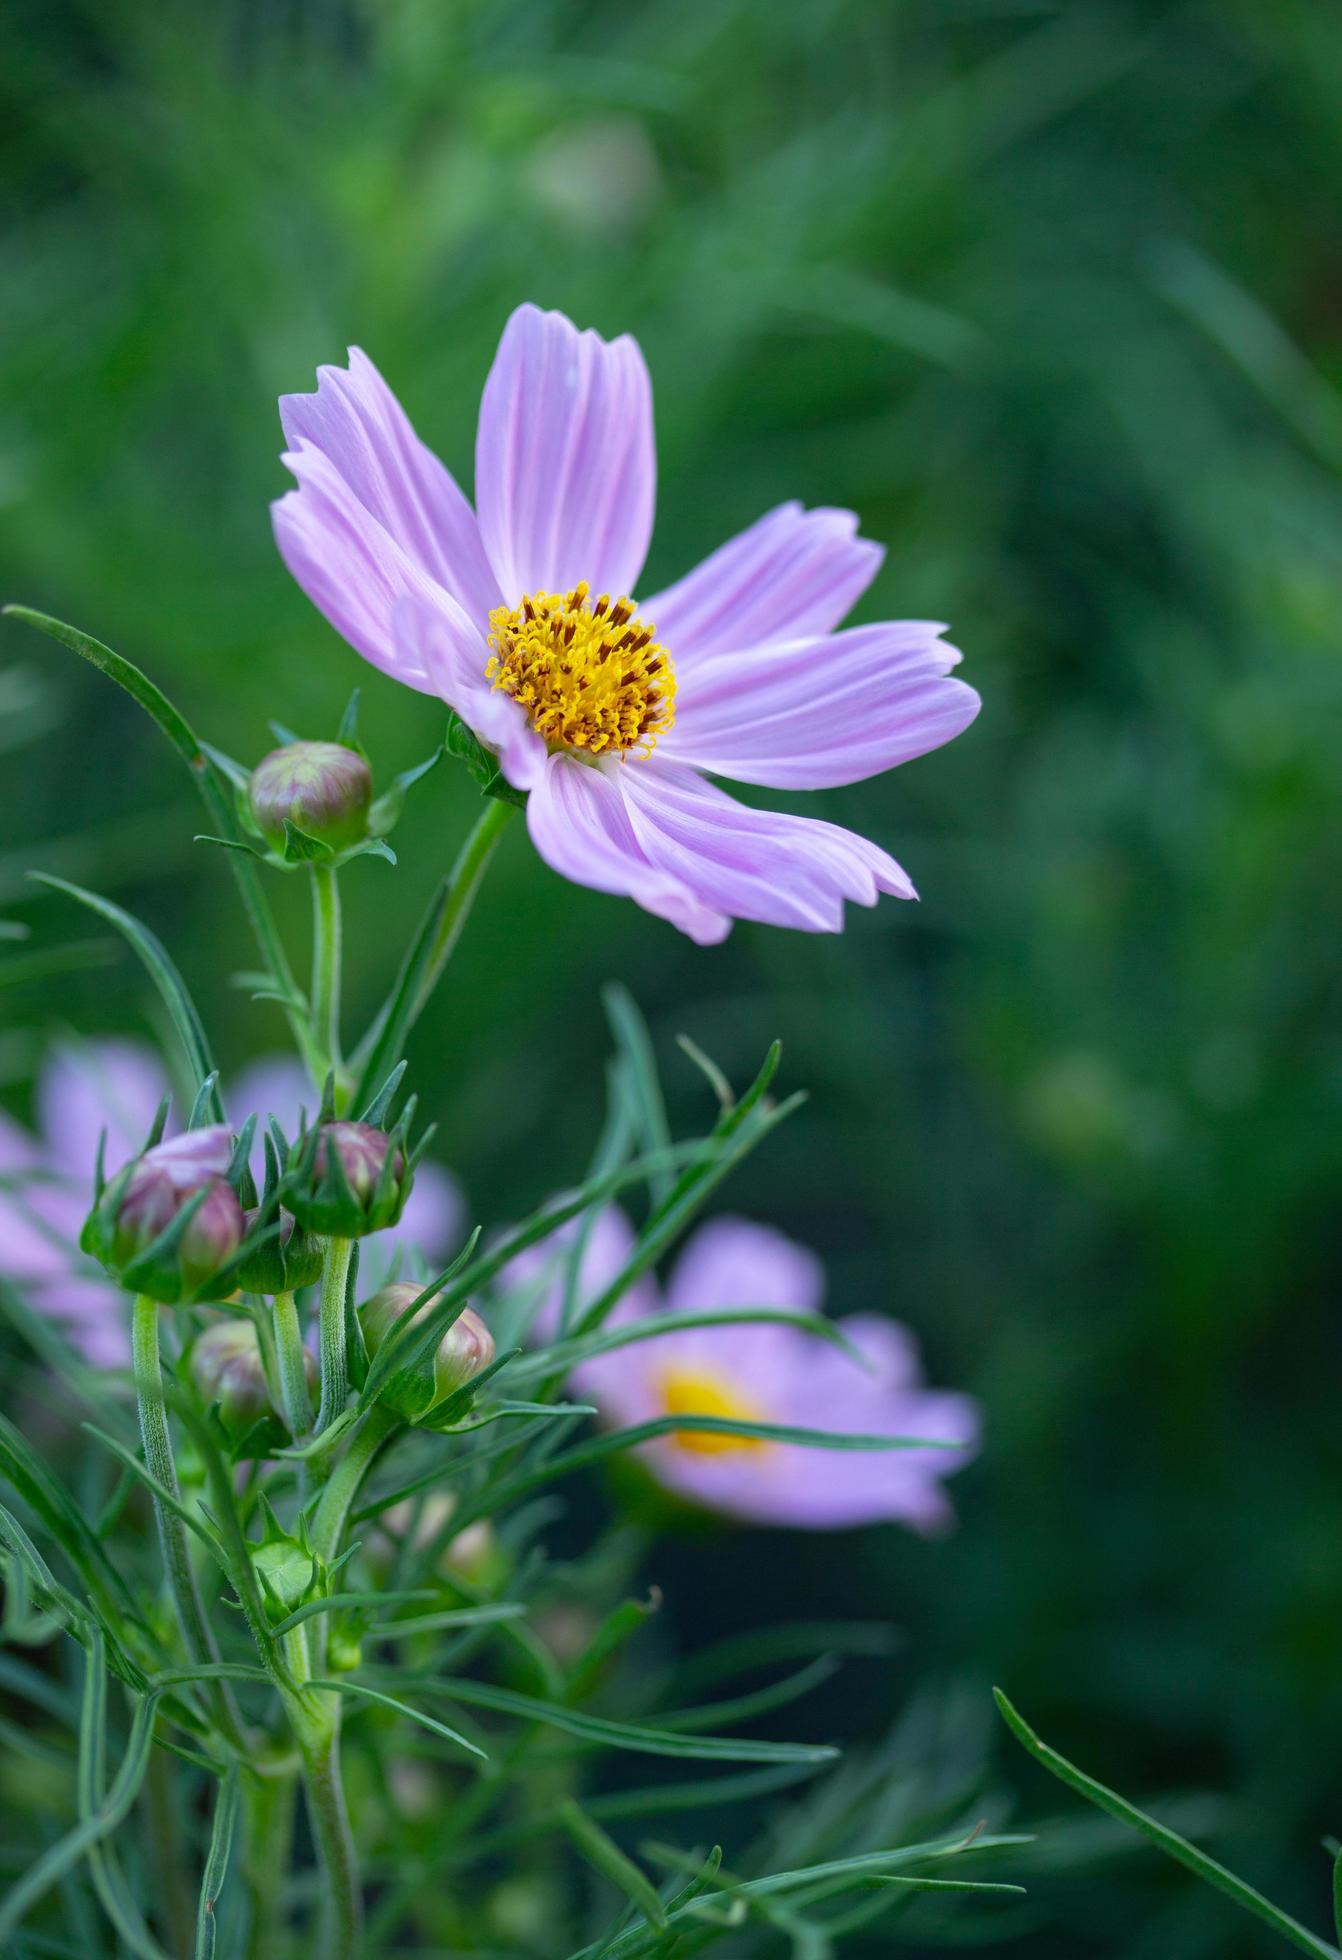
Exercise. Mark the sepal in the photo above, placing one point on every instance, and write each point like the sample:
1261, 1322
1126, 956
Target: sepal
481, 763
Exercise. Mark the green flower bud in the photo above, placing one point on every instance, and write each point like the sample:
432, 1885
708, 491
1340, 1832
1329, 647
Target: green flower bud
348, 1179
465, 1349
170, 1222
288, 1573
321, 788
283, 1264
227, 1368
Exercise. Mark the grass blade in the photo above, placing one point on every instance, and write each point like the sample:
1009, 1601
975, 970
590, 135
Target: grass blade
205, 773
180, 1006
605, 1856
364, 1692
1169, 1841
216, 1864
625, 1735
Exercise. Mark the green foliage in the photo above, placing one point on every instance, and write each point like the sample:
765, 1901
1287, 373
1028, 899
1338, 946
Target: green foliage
1048, 296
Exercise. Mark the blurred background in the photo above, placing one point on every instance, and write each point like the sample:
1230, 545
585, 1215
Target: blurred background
1050, 295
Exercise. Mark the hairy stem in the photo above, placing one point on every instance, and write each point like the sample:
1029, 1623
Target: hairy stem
342, 1903
328, 1524
267, 1833
326, 951
331, 1331
195, 1629
295, 1401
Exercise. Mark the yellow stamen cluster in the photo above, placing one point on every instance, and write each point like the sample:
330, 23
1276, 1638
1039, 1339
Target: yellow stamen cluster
696, 1392
590, 676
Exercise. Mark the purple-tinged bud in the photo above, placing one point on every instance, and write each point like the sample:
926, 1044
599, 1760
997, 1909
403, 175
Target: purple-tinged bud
227, 1368
465, 1349
362, 1151
183, 1175
322, 788
350, 1180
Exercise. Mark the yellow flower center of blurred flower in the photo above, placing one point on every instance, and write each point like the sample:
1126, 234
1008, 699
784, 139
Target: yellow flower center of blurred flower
591, 677
697, 1392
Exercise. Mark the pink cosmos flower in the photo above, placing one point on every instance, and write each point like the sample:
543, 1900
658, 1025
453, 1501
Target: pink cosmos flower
50, 1188
763, 1372
520, 615
46, 1181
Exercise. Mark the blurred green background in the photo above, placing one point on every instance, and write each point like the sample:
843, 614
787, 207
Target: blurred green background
1051, 296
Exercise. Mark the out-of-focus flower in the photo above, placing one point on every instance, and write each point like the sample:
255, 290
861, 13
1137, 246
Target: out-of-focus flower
322, 788
763, 1372
46, 1180
466, 1347
521, 619
49, 1177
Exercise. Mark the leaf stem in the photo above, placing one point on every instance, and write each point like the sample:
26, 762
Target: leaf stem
331, 1331
430, 950
328, 1523
326, 956
195, 1630
463, 883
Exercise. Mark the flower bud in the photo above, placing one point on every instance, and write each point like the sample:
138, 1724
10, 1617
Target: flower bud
171, 1221
354, 1179
227, 1368
466, 1348
288, 1572
282, 1264
322, 788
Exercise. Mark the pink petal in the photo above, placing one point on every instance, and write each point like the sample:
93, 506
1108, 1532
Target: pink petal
111, 1085
565, 464
608, 1240
753, 864
731, 1262
579, 823
356, 422
435, 635
794, 572
819, 712
349, 565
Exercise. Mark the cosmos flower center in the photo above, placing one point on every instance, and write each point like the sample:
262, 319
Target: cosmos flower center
589, 673
700, 1392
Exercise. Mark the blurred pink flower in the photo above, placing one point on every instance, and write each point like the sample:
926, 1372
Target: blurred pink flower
761, 1372
46, 1181
518, 614
112, 1083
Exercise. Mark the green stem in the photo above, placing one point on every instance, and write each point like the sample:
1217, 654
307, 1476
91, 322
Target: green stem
463, 882
295, 1401
267, 1834
328, 1523
342, 1904
326, 948
431, 949
331, 1331
165, 1838
197, 1637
